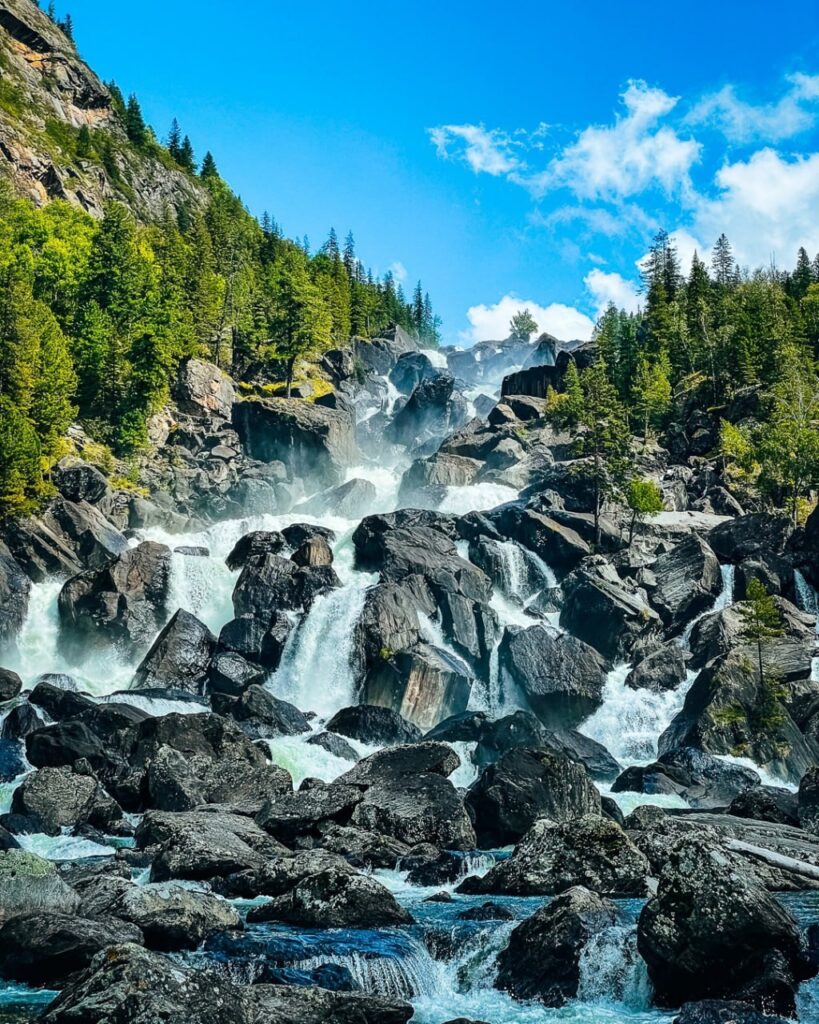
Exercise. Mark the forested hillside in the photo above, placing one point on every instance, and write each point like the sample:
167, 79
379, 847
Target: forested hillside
102, 294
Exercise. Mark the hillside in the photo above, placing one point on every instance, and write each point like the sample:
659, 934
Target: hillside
48, 96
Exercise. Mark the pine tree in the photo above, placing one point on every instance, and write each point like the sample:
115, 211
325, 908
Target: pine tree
20, 473
330, 247
85, 146
522, 325
186, 158
651, 393
117, 99
51, 10
208, 171
67, 26
174, 143
761, 621
723, 264
300, 324
349, 256
803, 275
135, 127
418, 310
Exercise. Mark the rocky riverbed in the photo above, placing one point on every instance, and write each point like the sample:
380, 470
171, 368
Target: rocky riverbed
334, 714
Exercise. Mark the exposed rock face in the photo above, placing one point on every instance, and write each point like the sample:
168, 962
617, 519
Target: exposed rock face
559, 546
273, 584
750, 536
311, 441
14, 592
123, 603
171, 917
434, 409
10, 685
700, 779
542, 960
688, 580
86, 531
562, 677
590, 851
437, 471
522, 786
423, 684
253, 546
202, 389
808, 800
180, 655
660, 670
711, 932
410, 369
58, 799
261, 715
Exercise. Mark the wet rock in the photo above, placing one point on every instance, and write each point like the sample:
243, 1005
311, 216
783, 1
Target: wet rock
712, 933
410, 370
434, 409
720, 632
122, 604
202, 389
487, 912
10, 684
561, 676
600, 610
19, 722
12, 763
85, 531
59, 798
62, 744
230, 674
272, 584
59, 701
591, 851
688, 580
38, 551
203, 844
362, 849
312, 441
724, 1011
424, 685
253, 546
522, 786
397, 763
260, 715
808, 801
315, 551
543, 957
283, 1004
290, 816
436, 471
660, 670
180, 656
750, 536
767, 803
171, 917
335, 898
205, 759
29, 883
349, 500
375, 726
46, 947
333, 744
14, 593
700, 779
559, 546
299, 533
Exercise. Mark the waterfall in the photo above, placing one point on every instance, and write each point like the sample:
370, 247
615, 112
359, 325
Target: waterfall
612, 971
316, 671
407, 976
808, 600
723, 599
476, 498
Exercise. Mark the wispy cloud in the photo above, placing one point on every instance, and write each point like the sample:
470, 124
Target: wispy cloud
486, 150
739, 121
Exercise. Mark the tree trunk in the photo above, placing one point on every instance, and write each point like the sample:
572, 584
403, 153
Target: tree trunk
291, 363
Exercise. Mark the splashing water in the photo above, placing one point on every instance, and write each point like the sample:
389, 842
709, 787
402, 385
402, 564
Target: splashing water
808, 600
476, 498
612, 971
724, 599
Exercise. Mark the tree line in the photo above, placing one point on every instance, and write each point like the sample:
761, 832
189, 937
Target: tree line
740, 347
95, 315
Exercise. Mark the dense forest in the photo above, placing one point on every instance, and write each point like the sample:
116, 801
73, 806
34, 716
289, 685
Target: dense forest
96, 314
720, 342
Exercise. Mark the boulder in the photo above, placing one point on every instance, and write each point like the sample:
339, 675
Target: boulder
591, 851
15, 587
10, 685
349, 500
395, 763
424, 685
436, 471
333, 744
122, 604
375, 726
542, 959
179, 657
260, 715
290, 816
257, 640
700, 779
724, 1011
172, 917
335, 898
313, 442
59, 799
559, 546
751, 536
84, 530
46, 947
389, 620
410, 369
767, 803
77, 481
600, 610
522, 786
253, 546
12, 763
808, 801
38, 550
29, 883
688, 580
711, 932
315, 551
230, 674
58, 697
434, 409
659, 670
19, 722
273, 584
59, 745
202, 389
561, 677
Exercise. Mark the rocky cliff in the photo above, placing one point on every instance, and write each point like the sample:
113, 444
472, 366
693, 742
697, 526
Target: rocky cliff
61, 134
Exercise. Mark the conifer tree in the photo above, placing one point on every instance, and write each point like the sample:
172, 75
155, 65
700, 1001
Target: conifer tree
522, 325
349, 255
208, 171
135, 126
186, 158
174, 142
651, 396
761, 621
723, 264
300, 324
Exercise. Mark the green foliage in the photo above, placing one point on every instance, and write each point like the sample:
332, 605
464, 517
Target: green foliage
761, 621
651, 392
643, 498
522, 325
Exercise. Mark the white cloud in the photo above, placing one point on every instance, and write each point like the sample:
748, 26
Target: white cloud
766, 206
740, 121
398, 271
491, 322
635, 153
486, 150
687, 245
611, 287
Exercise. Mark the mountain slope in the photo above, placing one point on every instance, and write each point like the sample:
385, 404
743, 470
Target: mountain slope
61, 132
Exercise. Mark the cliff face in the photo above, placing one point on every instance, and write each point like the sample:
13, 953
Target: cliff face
47, 96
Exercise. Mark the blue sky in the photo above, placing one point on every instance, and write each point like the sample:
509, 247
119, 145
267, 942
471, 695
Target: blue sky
505, 154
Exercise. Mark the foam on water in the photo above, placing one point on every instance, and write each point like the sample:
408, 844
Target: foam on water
63, 847
476, 498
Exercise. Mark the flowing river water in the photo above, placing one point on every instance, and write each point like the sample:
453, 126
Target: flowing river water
315, 674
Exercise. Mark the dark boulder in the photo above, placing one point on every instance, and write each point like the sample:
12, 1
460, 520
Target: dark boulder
290, 816
375, 726
711, 932
659, 670
171, 917
253, 546
700, 779
10, 684
59, 799
591, 851
79, 481
599, 609
260, 715
522, 786
542, 959
561, 676
179, 657
12, 763
434, 409
15, 587
724, 1011
559, 546
767, 803
230, 674
688, 580
84, 530
350, 500
19, 722
47, 947
59, 702
55, 746
122, 604
333, 744
751, 536
410, 369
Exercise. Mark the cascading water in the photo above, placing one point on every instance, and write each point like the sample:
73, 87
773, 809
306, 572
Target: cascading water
808, 600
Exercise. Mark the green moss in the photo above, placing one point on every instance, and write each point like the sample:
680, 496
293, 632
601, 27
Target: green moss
12, 99
386, 653
731, 714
